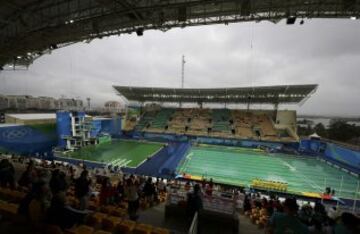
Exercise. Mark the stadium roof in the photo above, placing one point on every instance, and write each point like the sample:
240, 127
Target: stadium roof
31, 28
284, 94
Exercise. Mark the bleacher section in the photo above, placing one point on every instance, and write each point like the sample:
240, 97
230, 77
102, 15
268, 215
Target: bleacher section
225, 123
160, 121
221, 122
179, 121
144, 121
200, 122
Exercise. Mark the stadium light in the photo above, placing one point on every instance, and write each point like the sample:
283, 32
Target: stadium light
19, 57
140, 31
353, 18
53, 46
291, 20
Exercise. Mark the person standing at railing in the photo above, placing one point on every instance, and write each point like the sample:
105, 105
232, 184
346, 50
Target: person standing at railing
194, 201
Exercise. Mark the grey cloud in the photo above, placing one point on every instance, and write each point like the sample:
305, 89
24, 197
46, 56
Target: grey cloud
325, 52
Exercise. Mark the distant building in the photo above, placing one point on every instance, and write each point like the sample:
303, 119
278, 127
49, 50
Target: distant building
27, 102
113, 106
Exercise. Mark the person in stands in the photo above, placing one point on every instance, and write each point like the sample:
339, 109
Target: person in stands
58, 182
149, 190
349, 224
106, 192
7, 173
194, 201
132, 196
287, 222
28, 176
82, 189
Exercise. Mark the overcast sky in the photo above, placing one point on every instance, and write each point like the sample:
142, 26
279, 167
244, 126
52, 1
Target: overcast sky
324, 52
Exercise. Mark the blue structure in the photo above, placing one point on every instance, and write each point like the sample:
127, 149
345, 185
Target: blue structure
25, 140
63, 127
106, 125
339, 155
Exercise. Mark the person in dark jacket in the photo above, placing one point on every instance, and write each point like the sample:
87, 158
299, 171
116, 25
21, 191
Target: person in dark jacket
82, 189
7, 173
194, 201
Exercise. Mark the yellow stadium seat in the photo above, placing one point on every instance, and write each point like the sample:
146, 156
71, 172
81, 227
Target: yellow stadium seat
142, 229
102, 232
119, 212
126, 226
52, 229
110, 222
158, 230
83, 229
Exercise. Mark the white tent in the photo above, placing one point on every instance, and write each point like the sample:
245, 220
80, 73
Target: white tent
314, 136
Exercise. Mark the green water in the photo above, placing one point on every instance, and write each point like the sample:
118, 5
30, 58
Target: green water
238, 166
116, 152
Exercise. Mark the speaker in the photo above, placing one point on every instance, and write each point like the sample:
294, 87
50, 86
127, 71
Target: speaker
291, 20
182, 14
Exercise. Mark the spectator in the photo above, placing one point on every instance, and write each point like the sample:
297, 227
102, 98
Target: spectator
58, 182
106, 192
40, 203
28, 176
7, 173
161, 186
149, 190
82, 189
132, 197
349, 224
194, 201
62, 215
119, 194
287, 222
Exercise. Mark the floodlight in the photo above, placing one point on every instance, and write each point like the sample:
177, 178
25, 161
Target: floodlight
140, 31
291, 20
353, 18
53, 46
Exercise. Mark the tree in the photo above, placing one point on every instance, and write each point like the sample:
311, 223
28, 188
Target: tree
320, 130
341, 131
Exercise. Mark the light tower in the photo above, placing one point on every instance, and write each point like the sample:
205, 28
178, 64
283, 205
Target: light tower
182, 74
182, 71
88, 103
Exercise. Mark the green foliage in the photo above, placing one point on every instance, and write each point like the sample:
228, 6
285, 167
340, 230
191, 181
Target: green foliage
320, 130
342, 131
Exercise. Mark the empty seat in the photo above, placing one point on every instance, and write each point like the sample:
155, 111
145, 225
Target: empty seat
126, 226
83, 229
158, 230
110, 222
142, 229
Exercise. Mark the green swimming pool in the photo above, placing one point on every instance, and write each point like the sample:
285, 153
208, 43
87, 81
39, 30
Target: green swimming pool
118, 152
239, 166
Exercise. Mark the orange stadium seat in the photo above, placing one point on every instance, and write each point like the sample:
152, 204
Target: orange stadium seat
158, 230
126, 226
142, 229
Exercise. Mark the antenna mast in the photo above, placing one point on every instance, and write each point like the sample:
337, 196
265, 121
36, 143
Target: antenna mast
182, 71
